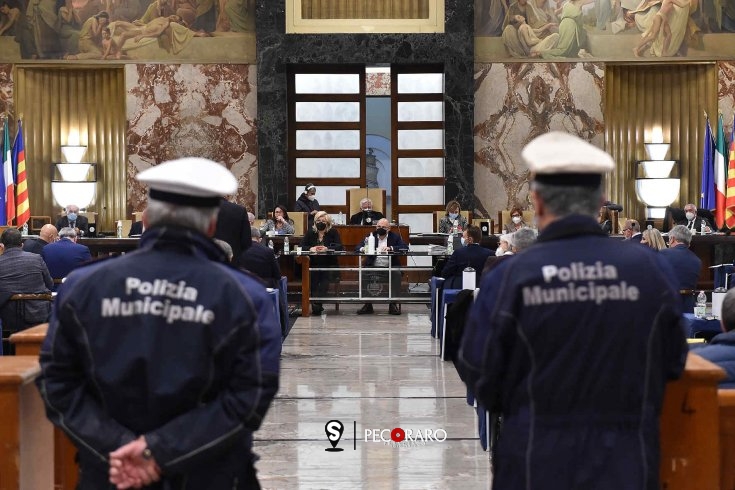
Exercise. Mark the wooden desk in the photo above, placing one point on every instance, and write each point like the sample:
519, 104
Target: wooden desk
690, 450
26, 451
66, 474
109, 246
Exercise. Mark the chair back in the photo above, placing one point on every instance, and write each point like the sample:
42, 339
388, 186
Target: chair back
486, 225
126, 224
355, 195
36, 223
438, 215
138, 216
300, 222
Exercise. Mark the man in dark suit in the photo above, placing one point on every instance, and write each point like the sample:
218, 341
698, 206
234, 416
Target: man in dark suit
48, 234
366, 215
64, 256
632, 231
685, 263
471, 255
22, 272
233, 227
136, 229
694, 222
261, 261
385, 242
74, 220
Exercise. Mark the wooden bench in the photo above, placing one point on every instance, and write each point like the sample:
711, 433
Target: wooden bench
726, 403
28, 343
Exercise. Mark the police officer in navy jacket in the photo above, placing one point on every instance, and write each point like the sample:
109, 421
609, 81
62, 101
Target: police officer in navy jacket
160, 364
574, 339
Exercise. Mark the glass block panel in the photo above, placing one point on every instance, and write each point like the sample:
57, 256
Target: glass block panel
419, 222
420, 83
421, 111
430, 195
327, 111
326, 83
307, 139
310, 168
420, 139
329, 195
421, 167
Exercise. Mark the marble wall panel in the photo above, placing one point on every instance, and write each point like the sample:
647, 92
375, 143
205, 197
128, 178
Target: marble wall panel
6, 89
377, 84
514, 103
726, 93
207, 111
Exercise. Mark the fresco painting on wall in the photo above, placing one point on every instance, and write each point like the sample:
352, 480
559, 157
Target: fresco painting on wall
138, 30
605, 30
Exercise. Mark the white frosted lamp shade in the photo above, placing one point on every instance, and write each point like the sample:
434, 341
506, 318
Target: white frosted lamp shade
73, 153
657, 192
657, 169
79, 193
657, 151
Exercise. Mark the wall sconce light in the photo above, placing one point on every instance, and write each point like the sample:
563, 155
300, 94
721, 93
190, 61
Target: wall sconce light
657, 180
74, 182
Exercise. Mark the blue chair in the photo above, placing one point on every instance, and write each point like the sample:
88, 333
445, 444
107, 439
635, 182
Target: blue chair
447, 297
436, 284
283, 290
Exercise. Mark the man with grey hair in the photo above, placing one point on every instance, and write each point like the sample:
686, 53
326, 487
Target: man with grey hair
522, 239
578, 386
73, 219
721, 349
64, 255
160, 364
632, 231
366, 215
685, 264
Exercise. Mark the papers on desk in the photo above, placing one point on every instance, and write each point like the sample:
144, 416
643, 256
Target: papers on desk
437, 250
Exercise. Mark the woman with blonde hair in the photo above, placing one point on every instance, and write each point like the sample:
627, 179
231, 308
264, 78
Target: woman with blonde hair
321, 238
453, 214
653, 238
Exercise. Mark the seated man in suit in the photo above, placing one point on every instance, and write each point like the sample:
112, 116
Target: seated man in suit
261, 261
21, 272
74, 220
366, 215
693, 222
65, 255
632, 231
385, 242
471, 255
48, 234
685, 263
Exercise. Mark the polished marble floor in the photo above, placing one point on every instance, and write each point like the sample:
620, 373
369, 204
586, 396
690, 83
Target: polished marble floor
370, 373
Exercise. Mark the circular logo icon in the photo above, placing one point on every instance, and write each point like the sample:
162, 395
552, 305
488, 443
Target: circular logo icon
397, 434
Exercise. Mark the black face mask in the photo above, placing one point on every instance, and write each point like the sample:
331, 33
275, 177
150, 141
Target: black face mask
321, 226
382, 231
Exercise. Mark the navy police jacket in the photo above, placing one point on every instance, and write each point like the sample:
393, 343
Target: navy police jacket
169, 342
573, 342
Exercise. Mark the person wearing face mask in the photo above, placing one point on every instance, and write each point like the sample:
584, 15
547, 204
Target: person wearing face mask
453, 214
386, 242
366, 215
516, 221
321, 238
470, 255
307, 203
694, 222
74, 220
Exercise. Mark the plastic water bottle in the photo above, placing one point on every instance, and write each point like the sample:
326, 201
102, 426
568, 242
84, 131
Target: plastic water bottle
450, 243
700, 310
119, 229
371, 244
270, 244
25, 229
286, 246
701, 228
341, 219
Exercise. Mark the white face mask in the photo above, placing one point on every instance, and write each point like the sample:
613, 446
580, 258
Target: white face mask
516, 219
499, 251
690, 216
311, 198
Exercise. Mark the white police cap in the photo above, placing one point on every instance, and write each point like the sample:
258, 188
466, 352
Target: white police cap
196, 182
564, 159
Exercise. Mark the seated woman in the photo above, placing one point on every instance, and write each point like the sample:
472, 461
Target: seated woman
307, 203
281, 223
653, 239
321, 238
604, 219
452, 218
516, 221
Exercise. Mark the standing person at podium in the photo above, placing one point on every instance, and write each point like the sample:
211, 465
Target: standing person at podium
321, 238
307, 203
366, 215
574, 340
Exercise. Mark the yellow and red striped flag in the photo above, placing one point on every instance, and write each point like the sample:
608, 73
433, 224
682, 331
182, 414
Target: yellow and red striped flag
22, 203
8, 178
730, 202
